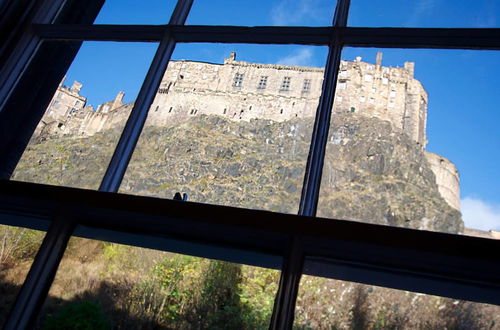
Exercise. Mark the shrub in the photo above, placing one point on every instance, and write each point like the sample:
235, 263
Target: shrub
18, 243
82, 316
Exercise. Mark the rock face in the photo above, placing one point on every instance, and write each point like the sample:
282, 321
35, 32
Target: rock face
372, 172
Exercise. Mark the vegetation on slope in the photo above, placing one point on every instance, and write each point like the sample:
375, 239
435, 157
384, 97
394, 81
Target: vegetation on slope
372, 173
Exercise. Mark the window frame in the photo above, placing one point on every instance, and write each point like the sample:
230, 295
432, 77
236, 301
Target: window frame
285, 84
238, 79
329, 245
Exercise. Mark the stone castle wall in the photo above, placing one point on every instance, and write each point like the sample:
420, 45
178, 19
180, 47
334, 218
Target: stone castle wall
240, 90
447, 178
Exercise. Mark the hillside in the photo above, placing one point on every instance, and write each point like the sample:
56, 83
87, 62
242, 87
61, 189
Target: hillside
372, 173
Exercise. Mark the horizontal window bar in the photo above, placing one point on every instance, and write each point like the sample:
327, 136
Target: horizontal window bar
357, 37
466, 267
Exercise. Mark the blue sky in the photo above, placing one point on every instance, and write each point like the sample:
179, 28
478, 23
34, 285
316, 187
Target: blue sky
463, 86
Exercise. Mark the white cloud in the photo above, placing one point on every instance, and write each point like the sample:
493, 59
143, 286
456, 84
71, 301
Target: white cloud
479, 214
291, 12
421, 9
301, 57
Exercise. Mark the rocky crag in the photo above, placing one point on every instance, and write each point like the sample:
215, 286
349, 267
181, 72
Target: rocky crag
372, 173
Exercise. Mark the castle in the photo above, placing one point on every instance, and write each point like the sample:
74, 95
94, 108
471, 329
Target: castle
240, 90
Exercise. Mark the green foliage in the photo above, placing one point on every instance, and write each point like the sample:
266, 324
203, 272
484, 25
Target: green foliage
258, 289
82, 316
18, 243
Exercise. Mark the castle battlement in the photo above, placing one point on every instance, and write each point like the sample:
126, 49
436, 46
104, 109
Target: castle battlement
240, 90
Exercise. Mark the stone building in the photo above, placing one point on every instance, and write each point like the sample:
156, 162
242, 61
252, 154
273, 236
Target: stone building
240, 90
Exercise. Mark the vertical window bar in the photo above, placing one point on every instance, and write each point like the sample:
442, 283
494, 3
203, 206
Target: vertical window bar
314, 166
30, 299
284, 304
133, 128
42, 272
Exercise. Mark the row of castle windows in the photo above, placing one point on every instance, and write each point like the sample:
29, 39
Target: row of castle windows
285, 84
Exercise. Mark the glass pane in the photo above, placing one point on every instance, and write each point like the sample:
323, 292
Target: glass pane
324, 303
75, 139
17, 251
136, 12
425, 13
231, 131
267, 13
106, 285
412, 141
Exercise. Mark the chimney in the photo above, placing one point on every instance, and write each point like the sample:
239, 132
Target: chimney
118, 102
76, 87
119, 97
231, 58
410, 66
358, 59
379, 59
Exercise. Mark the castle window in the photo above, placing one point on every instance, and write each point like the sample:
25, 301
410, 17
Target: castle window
262, 82
362, 99
368, 77
393, 94
307, 86
372, 100
391, 104
285, 84
342, 85
281, 111
343, 74
238, 80
385, 81
77, 103
170, 110
224, 112
339, 98
374, 90
59, 95
353, 109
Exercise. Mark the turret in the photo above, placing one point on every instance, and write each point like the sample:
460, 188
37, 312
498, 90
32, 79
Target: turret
76, 87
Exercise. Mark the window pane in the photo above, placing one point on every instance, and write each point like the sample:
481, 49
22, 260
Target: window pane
136, 12
137, 288
324, 303
75, 139
18, 249
224, 130
412, 141
267, 13
428, 13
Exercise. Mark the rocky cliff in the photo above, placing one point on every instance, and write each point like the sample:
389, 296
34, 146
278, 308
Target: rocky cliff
372, 173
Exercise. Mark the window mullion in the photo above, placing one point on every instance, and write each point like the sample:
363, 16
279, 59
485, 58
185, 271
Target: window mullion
133, 128
284, 307
42, 272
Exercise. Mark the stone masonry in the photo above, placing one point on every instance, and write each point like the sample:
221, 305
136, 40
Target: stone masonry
241, 90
